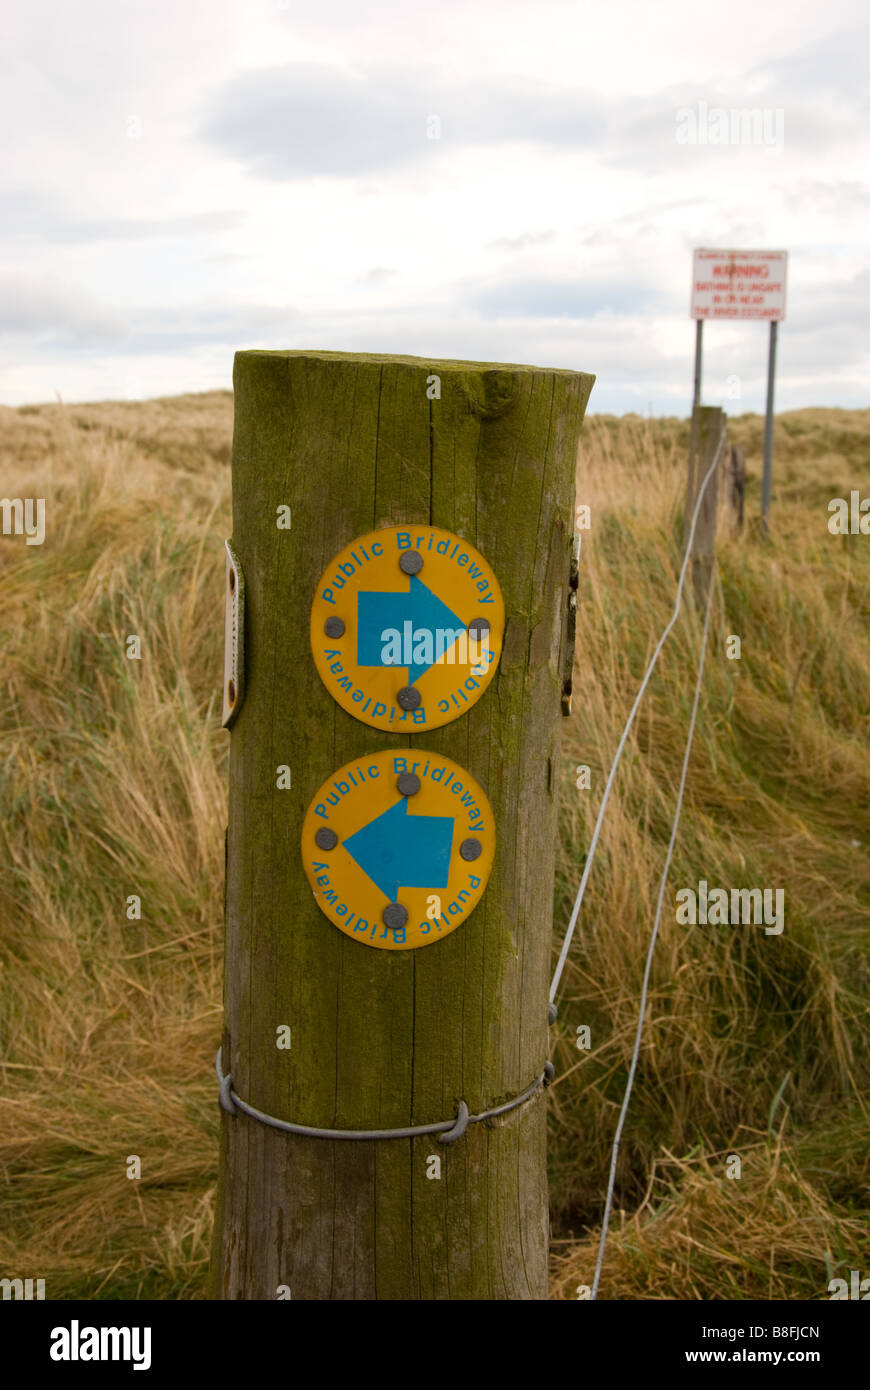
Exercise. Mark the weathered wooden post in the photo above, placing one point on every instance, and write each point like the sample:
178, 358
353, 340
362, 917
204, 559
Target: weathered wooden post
322, 1029
708, 423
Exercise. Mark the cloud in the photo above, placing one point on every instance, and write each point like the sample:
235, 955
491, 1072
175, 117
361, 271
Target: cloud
839, 199
521, 242
285, 193
563, 299
145, 228
378, 275
836, 310
47, 311
832, 70
35, 306
157, 329
309, 119
809, 101
28, 214
639, 362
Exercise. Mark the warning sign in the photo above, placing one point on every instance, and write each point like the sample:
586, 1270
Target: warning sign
398, 847
739, 285
407, 627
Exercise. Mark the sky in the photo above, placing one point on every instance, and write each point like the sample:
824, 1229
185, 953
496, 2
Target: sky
513, 181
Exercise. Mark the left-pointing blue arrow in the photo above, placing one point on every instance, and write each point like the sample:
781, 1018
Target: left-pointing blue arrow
399, 850
378, 613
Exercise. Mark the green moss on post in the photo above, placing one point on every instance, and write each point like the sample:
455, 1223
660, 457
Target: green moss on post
708, 422
391, 1038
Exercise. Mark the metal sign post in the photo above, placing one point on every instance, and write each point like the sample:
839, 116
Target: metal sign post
768, 427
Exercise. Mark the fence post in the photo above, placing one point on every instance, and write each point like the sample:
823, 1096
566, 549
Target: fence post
352, 443
707, 425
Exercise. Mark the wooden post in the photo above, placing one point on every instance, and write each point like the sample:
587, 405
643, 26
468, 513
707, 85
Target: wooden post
707, 424
383, 1039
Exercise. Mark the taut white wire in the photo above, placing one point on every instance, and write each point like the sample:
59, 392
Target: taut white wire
649, 956
578, 901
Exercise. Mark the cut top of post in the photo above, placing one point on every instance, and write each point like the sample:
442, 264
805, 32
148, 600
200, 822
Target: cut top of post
399, 359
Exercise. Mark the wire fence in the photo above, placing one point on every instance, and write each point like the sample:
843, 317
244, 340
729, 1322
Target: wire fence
593, 844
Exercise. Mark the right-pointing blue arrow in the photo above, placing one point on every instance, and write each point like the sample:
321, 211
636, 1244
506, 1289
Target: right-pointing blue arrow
400, 850
379, 612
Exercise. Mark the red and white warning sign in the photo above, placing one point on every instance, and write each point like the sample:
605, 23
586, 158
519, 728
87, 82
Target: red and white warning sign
739, 285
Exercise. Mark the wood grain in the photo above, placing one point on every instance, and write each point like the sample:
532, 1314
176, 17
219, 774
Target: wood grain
390, 1038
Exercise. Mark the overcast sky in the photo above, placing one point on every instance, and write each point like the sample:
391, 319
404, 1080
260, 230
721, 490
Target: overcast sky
183, 178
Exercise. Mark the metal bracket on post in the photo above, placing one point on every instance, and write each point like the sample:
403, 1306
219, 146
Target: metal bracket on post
571, 628
234, 638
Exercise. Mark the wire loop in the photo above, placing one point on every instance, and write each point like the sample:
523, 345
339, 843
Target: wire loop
448, 1131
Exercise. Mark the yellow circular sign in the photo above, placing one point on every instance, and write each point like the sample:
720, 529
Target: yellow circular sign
398, 847
407, 627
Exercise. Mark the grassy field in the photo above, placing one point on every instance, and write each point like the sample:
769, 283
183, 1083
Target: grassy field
112, 783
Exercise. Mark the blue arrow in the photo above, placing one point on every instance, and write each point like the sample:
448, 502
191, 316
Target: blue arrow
376, 612
397, 849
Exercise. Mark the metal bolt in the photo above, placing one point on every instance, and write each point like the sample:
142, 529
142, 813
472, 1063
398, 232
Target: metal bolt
409, 698
471, 849
477, 627
411, 562
408, 783
334, 627
326, 838
395, 915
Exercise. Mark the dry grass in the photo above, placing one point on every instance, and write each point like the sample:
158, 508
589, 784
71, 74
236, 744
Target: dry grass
112, 783
778, 795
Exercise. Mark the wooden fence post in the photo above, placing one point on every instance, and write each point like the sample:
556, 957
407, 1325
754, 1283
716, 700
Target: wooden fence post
707, 425
352, 443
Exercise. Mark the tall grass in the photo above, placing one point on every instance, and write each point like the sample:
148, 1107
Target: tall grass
739, 1024
112, 784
